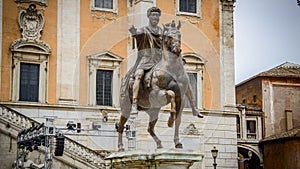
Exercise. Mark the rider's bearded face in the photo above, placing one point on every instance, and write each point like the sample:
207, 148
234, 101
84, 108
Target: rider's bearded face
154, 18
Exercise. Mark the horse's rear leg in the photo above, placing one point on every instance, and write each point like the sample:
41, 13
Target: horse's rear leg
179, 109
171, 94
120, 130
153, 114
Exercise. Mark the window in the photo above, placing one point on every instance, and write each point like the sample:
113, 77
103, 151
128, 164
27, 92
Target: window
193, 82
254, 98
104, 5
195, 67
29, 82
251, 129
189, 7
238, 126
104, 87
104, 79
29, 73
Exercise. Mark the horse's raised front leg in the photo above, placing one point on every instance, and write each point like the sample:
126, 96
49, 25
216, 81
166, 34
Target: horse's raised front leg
171, 95
153, 116
189, 95
120, 130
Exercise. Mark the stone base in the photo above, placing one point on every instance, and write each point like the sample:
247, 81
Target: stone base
158, 159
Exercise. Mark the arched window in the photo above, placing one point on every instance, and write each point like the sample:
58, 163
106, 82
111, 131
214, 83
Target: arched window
195, 67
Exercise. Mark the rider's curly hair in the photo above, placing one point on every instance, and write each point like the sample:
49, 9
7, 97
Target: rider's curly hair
153, 9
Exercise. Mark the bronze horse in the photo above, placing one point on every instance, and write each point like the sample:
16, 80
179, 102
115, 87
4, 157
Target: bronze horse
169, 83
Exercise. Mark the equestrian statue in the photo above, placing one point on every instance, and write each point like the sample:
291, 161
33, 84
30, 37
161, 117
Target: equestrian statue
157, 78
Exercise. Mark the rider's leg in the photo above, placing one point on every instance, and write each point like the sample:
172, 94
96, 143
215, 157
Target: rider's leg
139, 73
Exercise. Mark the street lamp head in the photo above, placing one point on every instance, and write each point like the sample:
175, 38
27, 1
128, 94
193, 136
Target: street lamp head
214, 152
249, 154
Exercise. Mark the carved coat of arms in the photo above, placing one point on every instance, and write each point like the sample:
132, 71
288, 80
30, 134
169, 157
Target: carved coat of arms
31, 23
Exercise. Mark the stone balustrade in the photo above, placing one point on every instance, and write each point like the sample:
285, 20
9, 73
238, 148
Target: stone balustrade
72, 149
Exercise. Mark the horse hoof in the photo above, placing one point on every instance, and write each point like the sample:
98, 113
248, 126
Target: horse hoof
159, 147
200, 115
178, 145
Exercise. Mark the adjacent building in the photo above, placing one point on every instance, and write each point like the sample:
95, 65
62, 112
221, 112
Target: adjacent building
269, 105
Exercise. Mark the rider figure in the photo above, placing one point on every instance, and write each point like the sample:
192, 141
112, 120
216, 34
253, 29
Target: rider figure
149, 43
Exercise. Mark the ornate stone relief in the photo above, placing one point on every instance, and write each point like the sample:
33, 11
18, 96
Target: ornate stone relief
191, 20
104, 16
40, 2
191, 130
31, 23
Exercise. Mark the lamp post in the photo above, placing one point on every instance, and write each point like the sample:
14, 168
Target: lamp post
246, 160
214, 153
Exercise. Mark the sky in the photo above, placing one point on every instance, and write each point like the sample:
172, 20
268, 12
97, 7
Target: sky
267, 34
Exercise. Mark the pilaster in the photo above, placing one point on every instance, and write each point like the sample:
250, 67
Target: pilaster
68, 50
1, 22
227, 55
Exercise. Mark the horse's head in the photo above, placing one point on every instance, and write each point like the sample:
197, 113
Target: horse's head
172, 37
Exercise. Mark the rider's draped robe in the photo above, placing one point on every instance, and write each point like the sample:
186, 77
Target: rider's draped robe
149, 44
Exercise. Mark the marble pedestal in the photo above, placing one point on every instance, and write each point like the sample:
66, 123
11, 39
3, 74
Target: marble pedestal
154, 159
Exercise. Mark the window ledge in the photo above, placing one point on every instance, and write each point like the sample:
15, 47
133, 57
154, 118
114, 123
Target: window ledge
114, 11
188, 14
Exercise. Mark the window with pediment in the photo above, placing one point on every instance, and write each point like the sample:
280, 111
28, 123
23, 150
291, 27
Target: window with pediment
195, 67
189, 7
30, 57
104, 79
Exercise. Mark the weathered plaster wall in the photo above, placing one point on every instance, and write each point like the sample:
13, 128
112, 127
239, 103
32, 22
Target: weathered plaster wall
280, 96
248, 90
288, 158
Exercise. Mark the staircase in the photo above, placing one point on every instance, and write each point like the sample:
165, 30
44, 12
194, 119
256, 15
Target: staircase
75, 155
